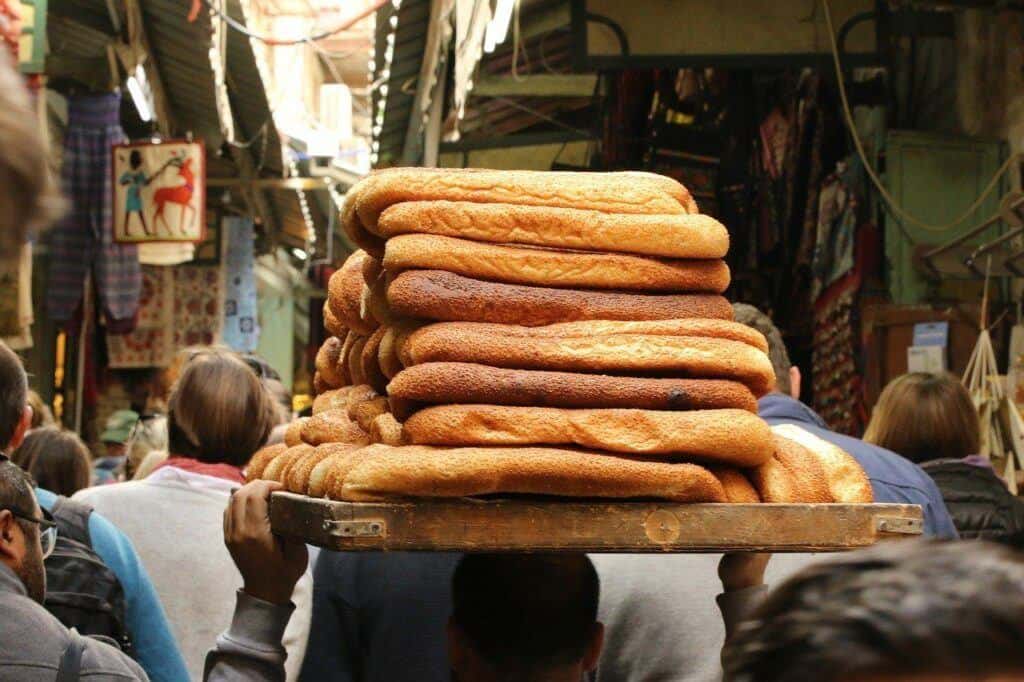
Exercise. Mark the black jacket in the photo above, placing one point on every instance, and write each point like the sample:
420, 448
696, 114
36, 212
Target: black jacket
979, 502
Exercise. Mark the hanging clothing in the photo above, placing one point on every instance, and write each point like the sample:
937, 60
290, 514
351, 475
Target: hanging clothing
241, 326
84, 239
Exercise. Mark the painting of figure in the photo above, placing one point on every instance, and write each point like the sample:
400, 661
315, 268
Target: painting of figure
159, 192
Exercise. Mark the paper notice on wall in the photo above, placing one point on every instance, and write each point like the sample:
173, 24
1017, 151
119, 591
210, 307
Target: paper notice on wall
931, 359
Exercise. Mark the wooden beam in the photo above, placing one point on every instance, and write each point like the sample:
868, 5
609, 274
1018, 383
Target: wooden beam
537, 85
290, 184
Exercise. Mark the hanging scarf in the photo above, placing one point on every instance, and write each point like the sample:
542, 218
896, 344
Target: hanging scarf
228, 472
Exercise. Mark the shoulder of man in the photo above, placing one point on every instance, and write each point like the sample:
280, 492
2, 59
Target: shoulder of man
29, 634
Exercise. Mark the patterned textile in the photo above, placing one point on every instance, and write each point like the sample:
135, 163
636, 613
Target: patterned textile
166, 253
241, 327
84, 239
198, 305
151, 343
838, 395
837, 227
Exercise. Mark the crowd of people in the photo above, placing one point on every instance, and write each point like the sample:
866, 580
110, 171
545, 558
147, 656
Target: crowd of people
156, 561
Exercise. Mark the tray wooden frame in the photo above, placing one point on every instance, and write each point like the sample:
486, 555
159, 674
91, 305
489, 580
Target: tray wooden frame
519, 525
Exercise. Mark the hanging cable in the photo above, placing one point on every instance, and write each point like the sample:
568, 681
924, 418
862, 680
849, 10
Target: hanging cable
244, 30
893, 206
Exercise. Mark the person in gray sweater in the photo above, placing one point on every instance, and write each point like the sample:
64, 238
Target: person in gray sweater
34, 645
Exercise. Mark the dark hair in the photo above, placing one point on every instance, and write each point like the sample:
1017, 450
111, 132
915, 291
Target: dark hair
925, 416
219, 411
524, 613
58, 460
13, 393
16, 490
752, 317
135, 158
912, 608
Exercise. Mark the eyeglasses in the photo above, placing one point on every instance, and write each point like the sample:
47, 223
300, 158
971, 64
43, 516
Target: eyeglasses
47, 527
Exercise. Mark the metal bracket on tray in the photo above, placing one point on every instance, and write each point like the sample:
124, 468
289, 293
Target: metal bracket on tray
356, 529
899, 524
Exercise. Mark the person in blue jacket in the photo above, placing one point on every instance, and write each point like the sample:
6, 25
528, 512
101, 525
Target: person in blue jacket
893, 478
154, 646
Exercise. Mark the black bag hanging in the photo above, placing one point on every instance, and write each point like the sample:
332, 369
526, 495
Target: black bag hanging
81, 590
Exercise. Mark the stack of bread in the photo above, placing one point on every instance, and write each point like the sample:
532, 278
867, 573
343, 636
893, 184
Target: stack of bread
557, 334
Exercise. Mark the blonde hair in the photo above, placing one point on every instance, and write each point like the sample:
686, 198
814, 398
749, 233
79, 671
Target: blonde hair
29, 199
925, 416
218, 410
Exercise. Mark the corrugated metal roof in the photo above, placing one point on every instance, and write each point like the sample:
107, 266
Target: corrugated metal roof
82, 28
544, 52
410, 42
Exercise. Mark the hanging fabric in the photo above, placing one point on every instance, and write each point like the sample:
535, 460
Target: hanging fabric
241, 326
198, 305
84, 239
151, 343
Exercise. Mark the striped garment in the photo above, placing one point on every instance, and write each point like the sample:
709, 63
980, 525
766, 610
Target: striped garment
84, 239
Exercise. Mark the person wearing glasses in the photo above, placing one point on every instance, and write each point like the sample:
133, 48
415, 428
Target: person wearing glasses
153, 644
34, 645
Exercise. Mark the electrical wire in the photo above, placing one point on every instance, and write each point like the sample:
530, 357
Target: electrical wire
244, 30
893, 206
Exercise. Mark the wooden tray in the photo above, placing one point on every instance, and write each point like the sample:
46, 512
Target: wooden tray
527, 525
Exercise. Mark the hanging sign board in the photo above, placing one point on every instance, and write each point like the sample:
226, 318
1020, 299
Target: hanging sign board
159, 192
736, 33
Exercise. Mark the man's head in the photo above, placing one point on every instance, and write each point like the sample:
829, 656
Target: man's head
15, 414
117, 431
524, 617
895, 613
787, 376
20, 532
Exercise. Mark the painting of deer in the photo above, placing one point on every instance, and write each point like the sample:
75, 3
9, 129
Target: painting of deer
177, 194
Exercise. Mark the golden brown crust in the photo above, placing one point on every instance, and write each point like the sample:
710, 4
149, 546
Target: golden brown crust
372, 268
259, 461
667, 236
738, 489
365, 412
537, 266
370, 363
353, 227
332, 324
354, 359
691, 357
465, 383
633, 192
440, 295
293, 434
301, 469
322, 475
333, 426
358, 394
712, 329
847, 482
417, 471
725, 436
328, 365
319, 385
386, 429
345, 295
331, 400
387, 354
804, 466
773, 482
277, 469
376, 301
